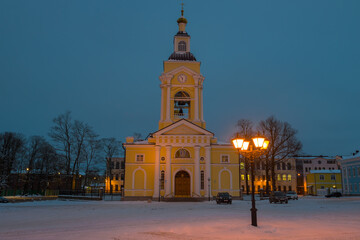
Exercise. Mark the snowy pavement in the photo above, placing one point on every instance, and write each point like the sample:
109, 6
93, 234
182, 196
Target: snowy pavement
307, 218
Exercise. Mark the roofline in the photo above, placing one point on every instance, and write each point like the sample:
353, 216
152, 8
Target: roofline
186, 121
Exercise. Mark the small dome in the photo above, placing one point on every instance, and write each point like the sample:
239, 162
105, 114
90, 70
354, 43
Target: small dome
182, 20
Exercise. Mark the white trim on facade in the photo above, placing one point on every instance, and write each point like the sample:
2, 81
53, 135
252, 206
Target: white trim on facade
133, 177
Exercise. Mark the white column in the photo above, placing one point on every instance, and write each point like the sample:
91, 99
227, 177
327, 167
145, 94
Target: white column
168, 172
162, 103
208, 170
196, 103
202, 104
168, 103
197, 171
157, 172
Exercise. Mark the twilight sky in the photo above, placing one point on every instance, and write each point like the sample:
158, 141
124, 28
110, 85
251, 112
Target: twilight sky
296, 60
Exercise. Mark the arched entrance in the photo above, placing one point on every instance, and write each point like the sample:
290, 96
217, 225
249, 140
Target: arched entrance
182, 184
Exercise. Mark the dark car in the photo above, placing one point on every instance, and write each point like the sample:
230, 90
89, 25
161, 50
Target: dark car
334, 194
223, 197
278, 196
3, 200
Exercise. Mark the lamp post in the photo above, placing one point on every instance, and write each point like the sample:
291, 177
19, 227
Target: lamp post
159, 189
209, 188
252, 150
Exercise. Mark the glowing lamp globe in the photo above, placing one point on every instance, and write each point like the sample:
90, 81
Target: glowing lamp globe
238, 142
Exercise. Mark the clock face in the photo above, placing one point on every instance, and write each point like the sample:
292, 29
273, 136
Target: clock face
182, 78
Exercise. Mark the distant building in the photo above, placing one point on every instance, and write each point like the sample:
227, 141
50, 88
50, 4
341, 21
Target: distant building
306, 164
116, 175
350, 166
322, 182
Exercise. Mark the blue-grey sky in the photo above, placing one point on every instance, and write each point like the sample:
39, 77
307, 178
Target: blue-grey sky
296, 60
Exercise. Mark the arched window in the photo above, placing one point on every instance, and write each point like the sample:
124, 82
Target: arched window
202, 182
284, 177
279, 177
289, 177
182, 46
182, 105
283, 166
288, 166
182, 153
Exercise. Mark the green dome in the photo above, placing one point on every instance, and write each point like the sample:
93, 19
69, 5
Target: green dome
182, 20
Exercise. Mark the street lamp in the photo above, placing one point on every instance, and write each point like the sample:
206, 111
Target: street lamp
252, 150
209, 193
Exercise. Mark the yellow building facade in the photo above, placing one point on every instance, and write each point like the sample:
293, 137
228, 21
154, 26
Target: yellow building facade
183, 158
322, 182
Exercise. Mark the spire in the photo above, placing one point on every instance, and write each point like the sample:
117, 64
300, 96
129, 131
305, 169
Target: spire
182, 21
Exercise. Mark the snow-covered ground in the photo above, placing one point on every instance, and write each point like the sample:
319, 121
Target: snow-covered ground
307, 218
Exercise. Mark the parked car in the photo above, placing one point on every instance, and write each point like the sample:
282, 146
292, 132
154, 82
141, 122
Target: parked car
223, 197
292, 195
3, 200
334, 194
278, 196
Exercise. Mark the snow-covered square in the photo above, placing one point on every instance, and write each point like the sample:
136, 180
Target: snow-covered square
307, 218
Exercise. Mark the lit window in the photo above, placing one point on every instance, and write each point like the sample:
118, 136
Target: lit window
289, 177
284, 177
182, 153
279, 177
224, 158
242, 177
139, 157
242, 165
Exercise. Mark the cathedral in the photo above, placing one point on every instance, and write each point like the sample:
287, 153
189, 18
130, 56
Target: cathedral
182, 159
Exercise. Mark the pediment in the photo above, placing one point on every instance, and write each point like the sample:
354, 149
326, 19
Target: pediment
183, 127
183, 69
183, 130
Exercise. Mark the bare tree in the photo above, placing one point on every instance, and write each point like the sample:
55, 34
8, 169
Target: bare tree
11, 147
48, 163
61, 135
80, 131
33, 150
283, 144
70, 137
137, 136
91, 154
111, 148
245, 129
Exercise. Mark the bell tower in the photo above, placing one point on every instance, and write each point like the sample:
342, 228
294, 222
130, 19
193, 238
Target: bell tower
181, 83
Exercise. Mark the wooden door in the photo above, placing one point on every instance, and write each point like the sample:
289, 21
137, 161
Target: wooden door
182, 184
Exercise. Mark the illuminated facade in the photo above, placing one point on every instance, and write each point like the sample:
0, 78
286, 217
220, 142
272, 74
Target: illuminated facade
182, 158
